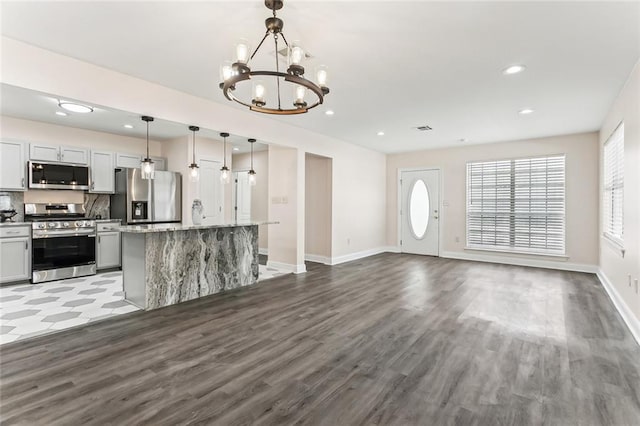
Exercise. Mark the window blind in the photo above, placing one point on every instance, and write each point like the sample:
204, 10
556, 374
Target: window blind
517, 204
613, 185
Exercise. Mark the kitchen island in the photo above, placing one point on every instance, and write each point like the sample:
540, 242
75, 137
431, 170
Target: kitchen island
166, 264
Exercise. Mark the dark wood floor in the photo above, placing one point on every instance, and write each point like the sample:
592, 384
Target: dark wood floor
391, 339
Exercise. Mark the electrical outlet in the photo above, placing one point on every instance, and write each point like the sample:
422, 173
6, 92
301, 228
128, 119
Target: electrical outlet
348, 241
629, 280
457, 239
636, 286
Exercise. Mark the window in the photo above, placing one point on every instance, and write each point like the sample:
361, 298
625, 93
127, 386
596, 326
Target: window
613, 186
517, 205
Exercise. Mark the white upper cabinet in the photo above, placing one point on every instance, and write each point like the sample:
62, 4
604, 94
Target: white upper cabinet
62, 154
102, 172
39, 152
130, 161
13, 166
70, 154
160, 163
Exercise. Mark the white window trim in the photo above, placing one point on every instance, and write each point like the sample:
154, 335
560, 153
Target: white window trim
532, 252
615, 241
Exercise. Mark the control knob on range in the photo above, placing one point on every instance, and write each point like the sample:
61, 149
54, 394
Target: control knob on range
42, 225
66, 224
79, 224
52, 225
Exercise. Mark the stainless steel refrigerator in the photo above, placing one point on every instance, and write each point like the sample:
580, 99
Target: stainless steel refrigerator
137, 200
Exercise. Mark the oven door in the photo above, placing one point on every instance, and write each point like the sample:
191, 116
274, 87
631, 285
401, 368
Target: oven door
63, 251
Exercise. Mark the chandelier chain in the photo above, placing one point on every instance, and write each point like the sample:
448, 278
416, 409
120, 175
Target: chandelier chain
256, 51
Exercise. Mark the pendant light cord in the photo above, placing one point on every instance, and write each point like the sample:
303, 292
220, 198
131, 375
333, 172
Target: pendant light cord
194, 147
251, 155
224, 155
147, 139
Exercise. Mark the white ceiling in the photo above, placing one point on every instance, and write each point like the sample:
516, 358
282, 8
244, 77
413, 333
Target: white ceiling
31, 105
394, 65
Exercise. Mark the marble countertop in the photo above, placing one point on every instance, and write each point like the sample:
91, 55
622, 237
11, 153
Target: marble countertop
8, 224
107, 220
172, 227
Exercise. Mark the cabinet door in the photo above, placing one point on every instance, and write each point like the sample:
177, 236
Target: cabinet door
160, 163
69, 154
14, 259
39, 152
108, 250
131, 161
102, 172
13, 166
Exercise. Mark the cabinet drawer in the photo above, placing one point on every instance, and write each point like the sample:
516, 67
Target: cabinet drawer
108, 227
15, 231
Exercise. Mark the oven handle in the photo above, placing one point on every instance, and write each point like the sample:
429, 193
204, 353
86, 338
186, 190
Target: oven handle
53, 234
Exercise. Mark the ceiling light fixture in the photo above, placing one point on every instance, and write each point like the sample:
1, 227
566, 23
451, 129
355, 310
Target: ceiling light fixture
61, 113
225, 173
380, 133
194, 174
147, 168
513, 69
73, 107
329, 112
525, 111
128, 126
239, 72
252, 173
235, 148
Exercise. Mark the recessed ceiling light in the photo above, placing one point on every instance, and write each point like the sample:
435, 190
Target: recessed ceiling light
235, 148
462, 140
513, 69
380, 133
61, 113
329, 112
73, 107
128, 126
525, 111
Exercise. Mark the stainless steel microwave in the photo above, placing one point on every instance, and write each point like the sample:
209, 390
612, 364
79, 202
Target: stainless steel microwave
58, 176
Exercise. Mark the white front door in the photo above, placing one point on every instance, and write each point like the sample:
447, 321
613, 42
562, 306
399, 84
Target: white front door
420, 212
242, 197
211, 193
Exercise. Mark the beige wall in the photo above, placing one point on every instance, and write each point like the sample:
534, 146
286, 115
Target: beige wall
581, 179
51, 134
317, 206
361, 172
615, 267
260, 192
286, 206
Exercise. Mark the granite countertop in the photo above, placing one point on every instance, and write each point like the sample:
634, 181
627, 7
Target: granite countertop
107, 220
171, 227
8, 224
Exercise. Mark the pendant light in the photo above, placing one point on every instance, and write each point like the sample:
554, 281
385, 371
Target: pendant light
225, 173
252, 173
194, 173
147, 168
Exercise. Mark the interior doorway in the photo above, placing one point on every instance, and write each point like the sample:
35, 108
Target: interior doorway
210, 191
241, 197
420, 212
318, 208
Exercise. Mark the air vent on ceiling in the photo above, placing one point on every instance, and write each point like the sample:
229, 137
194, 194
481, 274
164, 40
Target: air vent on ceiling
424, 128
283, 52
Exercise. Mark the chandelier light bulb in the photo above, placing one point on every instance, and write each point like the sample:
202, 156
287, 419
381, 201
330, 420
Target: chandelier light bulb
321, 76
225, 175
296, 54
300, 92
226, 71
194, 174
252, 178
259, 92
242, 51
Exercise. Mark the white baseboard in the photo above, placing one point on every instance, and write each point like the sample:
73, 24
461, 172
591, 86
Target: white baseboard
357, 255
627, 316
289, 267
520, 261
392, 249
318, 259
263, 251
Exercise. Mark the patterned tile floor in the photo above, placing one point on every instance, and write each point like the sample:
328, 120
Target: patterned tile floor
28, 310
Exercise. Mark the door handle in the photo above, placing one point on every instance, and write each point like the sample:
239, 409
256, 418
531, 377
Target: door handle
23, 182
93, 185
26, 245
435, 217
98, 239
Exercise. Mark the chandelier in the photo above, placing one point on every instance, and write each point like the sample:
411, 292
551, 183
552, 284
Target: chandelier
239, 72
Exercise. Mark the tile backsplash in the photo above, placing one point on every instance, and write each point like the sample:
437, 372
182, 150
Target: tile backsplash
94, 204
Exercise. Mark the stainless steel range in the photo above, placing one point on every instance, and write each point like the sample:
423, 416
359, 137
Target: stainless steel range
64, 241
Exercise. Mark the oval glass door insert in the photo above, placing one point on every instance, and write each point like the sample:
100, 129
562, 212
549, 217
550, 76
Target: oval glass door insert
419, 209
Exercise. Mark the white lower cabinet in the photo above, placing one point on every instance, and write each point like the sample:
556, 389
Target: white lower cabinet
108, 250
15, 256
